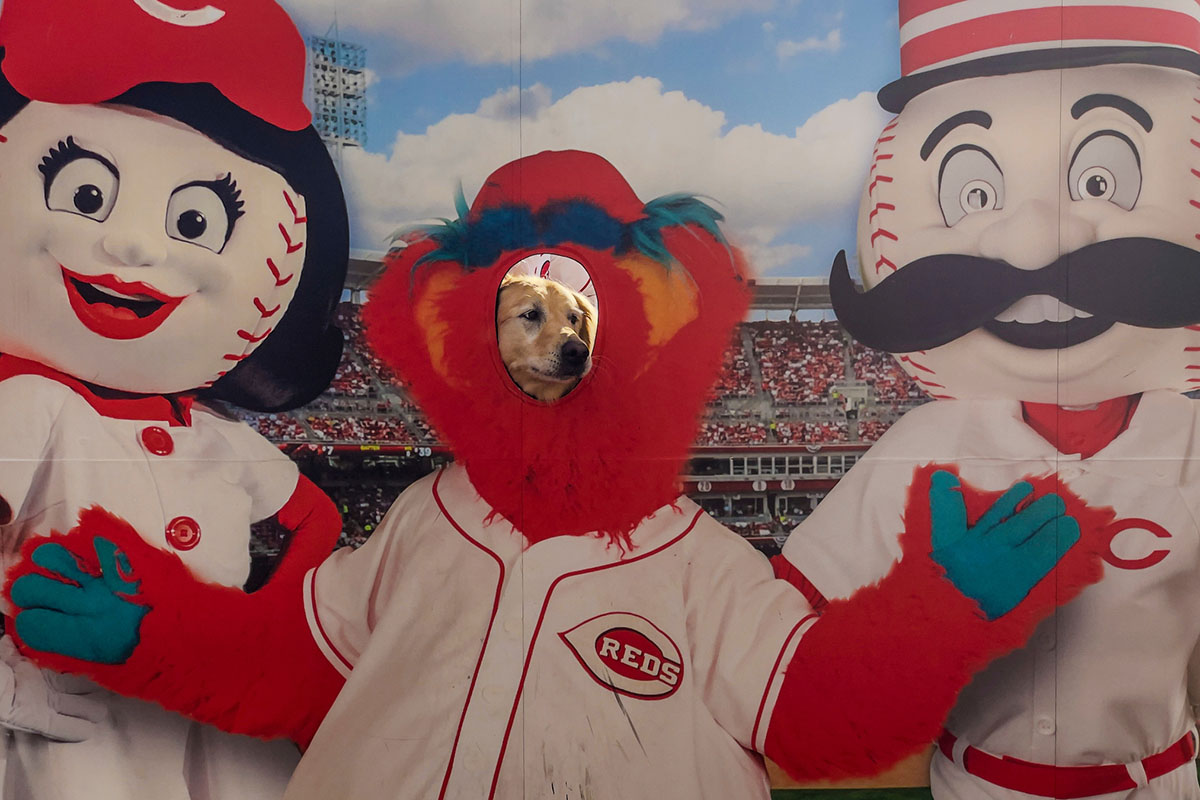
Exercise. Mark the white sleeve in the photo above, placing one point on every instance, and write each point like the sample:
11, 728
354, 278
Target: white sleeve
744, 626
268, 476
345, 596
29, 408
852, 537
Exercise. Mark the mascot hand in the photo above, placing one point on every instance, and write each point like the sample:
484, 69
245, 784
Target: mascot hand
69, 611
33, 700
998, 561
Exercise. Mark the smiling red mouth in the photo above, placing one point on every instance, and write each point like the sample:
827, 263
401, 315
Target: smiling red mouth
117, 309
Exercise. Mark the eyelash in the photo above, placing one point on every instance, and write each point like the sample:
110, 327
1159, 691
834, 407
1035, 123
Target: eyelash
64, 153
231, 196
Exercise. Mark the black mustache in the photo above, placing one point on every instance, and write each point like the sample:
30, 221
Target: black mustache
934, 300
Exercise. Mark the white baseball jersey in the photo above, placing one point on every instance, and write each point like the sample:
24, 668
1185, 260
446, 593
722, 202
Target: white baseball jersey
1104, 681
478, 667
192, 488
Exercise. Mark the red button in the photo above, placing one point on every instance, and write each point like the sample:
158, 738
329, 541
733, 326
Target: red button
183, 533
158, 441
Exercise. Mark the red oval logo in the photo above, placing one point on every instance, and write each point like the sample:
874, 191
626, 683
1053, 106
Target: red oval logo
628, 653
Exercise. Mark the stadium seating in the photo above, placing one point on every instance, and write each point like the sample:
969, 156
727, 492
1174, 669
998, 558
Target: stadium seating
891, 383
800, 361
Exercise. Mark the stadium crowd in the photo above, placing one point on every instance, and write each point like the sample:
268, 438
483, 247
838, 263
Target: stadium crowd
735, 379
356, 428
891, 383
810, 432
800, 361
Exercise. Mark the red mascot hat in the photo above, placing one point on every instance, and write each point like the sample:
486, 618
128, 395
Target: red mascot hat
945, 40
75, 51
670, 292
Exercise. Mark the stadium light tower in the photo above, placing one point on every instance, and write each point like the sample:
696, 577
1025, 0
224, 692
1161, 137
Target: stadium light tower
338, 80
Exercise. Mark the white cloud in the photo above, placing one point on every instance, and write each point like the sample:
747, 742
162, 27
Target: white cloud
662, 141
494, 31
830, 43
513, 102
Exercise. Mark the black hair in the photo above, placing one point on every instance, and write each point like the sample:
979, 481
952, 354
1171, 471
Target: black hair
298, 360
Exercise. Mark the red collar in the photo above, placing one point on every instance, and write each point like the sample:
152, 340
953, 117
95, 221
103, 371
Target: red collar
173, 409
1086, 431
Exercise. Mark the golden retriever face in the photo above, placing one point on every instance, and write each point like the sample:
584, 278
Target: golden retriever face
545, 332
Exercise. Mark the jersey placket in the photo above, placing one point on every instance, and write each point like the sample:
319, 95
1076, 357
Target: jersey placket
492, 728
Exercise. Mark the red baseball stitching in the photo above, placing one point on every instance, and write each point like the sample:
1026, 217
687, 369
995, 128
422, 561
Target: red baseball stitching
930, 384
922, 367
878, 179
883, 262
887, 206
275, 272
262, 309
296, 218
250, 337
264, 313
884, 233
291, 248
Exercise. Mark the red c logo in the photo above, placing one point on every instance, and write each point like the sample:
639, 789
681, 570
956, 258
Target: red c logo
1117, 528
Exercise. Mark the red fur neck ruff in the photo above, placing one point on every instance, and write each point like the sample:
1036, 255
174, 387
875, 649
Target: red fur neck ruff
669, 294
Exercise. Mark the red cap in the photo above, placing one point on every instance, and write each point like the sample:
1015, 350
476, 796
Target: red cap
944, 40
553, 175
90, 51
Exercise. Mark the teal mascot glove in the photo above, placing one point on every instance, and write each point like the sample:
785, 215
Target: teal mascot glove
1002, 557
74, 613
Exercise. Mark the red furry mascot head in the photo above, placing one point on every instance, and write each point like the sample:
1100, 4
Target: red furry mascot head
670, 291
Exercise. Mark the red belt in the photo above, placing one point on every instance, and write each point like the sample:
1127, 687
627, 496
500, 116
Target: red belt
1063, 783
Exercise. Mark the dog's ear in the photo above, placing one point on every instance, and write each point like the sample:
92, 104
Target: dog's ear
587, 331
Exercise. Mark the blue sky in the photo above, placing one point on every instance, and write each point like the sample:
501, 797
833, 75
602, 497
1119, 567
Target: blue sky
696, 95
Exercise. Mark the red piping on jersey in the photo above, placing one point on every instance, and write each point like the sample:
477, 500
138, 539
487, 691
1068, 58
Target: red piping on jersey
785, 570
491, 622
173, 409
537, 629
311, 579
771, 679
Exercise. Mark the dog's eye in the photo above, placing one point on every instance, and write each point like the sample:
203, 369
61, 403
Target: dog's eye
574, 319
533, 315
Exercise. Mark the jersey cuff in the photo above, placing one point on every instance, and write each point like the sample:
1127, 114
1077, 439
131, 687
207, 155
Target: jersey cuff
766, 706
324, 643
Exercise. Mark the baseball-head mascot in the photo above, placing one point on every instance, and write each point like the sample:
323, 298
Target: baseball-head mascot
1029, 248
669, 290
173, 232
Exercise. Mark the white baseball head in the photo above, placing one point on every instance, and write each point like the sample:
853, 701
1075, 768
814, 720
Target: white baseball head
139, 254
1023, 189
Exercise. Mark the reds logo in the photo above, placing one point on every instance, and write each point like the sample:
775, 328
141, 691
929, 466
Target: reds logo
628, 654
1121, 526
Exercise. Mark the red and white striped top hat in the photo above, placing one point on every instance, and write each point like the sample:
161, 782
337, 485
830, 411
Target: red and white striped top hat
945, 40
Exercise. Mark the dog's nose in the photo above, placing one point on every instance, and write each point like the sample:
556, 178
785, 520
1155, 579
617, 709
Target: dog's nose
574, 353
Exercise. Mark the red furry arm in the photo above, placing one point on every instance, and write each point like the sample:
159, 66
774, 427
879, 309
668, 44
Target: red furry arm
246, 663
873, 680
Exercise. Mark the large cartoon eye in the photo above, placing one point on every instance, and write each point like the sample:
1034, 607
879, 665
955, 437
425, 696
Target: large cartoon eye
79, 181
1106, 166
969, 181
204, 213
